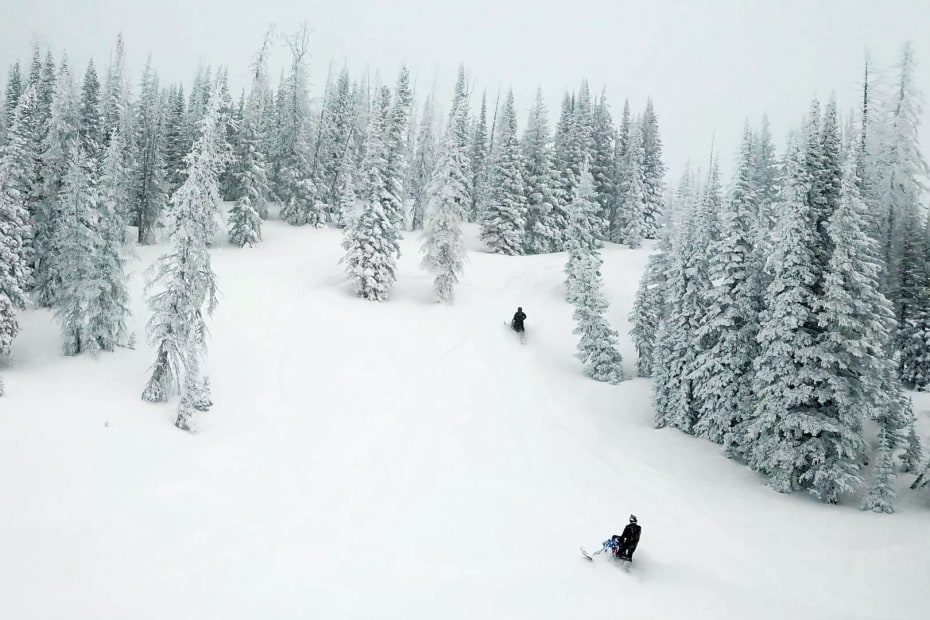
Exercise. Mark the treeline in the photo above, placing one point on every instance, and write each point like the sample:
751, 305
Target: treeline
785, 318
83, 158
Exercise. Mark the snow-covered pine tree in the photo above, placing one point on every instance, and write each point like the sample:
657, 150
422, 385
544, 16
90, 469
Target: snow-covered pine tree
480, 155
90, 121
913, 337
14, 88
58, 150
394, 143
784, 416
898, 184
150, 187
766, 175
687, 289
618, 220
649, 309
912, 457
546, 220
182, 282
633, 210
335, 139
448, 200
115, 96
727, 331
17, 179
603, 164
371, 239
581, 234
424, 161
175, 138
503, 220
245, 217
108, 312
653, 172
597, 348
296, 189
75, 241
854, 316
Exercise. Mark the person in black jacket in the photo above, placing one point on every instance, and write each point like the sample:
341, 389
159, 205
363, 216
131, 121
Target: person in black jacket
517, 321
628, 540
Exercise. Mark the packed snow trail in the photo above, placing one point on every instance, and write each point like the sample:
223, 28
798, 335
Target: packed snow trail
403, 459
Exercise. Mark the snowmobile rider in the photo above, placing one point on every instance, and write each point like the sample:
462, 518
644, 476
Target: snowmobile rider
628, 540
517, 322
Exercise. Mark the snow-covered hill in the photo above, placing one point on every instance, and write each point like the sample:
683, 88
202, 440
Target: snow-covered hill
403, 460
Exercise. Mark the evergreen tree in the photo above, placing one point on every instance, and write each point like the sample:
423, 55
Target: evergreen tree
503, 224
597, 348
649, 304
678, 400
634, 209
245, 218
182, 281
603, 164
546, 220
618, 220
73, 238
57, 152
854, 316
335, 144
653, 171
395, 151
766, 175
296, 188
480, 153
90, 125
371, 240
784, 416
448, 200
17, 170
729, 325
150, 186
175, 138
423, 163
581, 234
115, 97
14, 89
109, 312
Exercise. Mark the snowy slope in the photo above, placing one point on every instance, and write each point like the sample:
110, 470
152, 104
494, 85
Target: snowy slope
403, 460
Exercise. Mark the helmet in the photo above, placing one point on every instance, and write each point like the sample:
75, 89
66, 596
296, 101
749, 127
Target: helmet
632, 518
519, 309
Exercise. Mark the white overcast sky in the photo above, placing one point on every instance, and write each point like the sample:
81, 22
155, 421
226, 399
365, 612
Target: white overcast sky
708, 64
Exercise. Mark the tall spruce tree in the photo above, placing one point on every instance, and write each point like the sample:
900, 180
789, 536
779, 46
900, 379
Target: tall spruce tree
150, 186
17, 179
424, 161
245, 217
729, 325
546, 220
296, 189
480, 154
503, 223
597, 347
448, 200
75, 242
394, 143
633, 211
182, 282
603, 164
58, 151
653, 172
371, 240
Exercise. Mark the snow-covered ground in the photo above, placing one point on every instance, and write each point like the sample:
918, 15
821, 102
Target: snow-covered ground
404, 460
